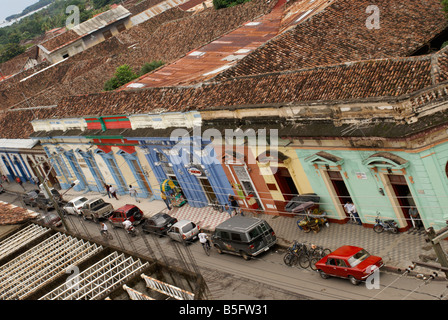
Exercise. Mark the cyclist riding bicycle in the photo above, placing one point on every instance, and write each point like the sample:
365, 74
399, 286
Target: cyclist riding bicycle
203, 239
127, 225
103, 228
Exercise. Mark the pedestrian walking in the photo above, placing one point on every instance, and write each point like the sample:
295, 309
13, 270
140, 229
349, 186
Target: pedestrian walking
107, 189
133, 193
415, 218
233, 204
5, 178
351, 209
113, 191
229, 211
167, 202
35, 180
19, 181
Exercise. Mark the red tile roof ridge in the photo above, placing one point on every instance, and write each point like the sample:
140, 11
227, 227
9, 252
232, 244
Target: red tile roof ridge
427, 57
300, 44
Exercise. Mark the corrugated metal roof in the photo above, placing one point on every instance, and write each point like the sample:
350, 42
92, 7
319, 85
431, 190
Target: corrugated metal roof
18, 143
204, 63
101, 20
210, 60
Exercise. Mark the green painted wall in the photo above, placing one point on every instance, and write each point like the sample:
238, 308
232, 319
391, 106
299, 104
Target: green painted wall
425, 176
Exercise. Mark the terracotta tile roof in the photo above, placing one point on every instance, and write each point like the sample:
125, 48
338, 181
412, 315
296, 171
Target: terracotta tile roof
204, 62
60, 40
166, 37
354, 81
11, 214
17, 63
339, 34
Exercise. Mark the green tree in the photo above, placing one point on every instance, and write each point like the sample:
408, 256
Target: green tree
123, 74
148, 67
445, 4
219, 4
10, 51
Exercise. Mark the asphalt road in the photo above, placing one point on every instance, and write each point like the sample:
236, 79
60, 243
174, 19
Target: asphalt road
265, 277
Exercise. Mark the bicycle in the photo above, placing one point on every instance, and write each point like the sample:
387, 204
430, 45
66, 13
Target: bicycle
297, 253
352, 219
206, 246
317, 253
106, 235
217, 206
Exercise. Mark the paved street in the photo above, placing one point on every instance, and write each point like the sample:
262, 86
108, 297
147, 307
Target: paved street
398, 251
224, 274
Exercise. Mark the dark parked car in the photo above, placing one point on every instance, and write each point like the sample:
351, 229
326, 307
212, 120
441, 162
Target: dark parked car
128, 211
350, 262
158, 223
43, 203
245, 236
30, 197
51, 219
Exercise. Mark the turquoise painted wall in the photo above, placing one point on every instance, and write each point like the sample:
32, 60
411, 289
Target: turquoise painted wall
425, 175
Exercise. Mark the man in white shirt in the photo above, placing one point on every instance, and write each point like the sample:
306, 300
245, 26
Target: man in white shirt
103, 228
113, 191
127, 224
133, 193
350, 208
203, 239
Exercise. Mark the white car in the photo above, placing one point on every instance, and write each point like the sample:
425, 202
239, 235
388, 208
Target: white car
184, 231
74, 205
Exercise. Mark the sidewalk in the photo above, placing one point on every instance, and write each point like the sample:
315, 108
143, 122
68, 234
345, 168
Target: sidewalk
397, 250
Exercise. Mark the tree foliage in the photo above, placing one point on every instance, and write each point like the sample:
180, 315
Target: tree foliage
10, 51
53, 16
148, 67
219, 4
124, 74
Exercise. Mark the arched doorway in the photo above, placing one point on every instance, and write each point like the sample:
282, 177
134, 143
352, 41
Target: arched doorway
391, 170
137, 171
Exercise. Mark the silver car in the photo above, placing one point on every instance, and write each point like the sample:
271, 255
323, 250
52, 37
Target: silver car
183, 231
74, 206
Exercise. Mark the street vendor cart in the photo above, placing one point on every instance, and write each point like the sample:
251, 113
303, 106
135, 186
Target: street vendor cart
173, 192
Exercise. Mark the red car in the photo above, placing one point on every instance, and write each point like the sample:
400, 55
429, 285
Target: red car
350, 262
128, 211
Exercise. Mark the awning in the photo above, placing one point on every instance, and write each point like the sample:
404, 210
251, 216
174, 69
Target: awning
168, 185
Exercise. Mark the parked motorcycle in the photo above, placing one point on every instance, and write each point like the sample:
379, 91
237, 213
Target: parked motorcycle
132, 231
385, 225
314, 218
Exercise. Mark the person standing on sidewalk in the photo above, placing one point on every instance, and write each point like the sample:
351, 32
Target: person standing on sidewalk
229, 211
234, 206
415, 218
19, 181
133, 193
351, 209
107, 189
113, 191
164, 198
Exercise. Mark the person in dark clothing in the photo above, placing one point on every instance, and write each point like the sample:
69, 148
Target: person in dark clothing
233, 204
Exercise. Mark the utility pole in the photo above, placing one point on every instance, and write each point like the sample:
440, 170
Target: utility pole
435, 238
43, 181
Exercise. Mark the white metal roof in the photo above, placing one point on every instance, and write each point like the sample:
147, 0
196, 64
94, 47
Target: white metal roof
101, 20
18, 143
